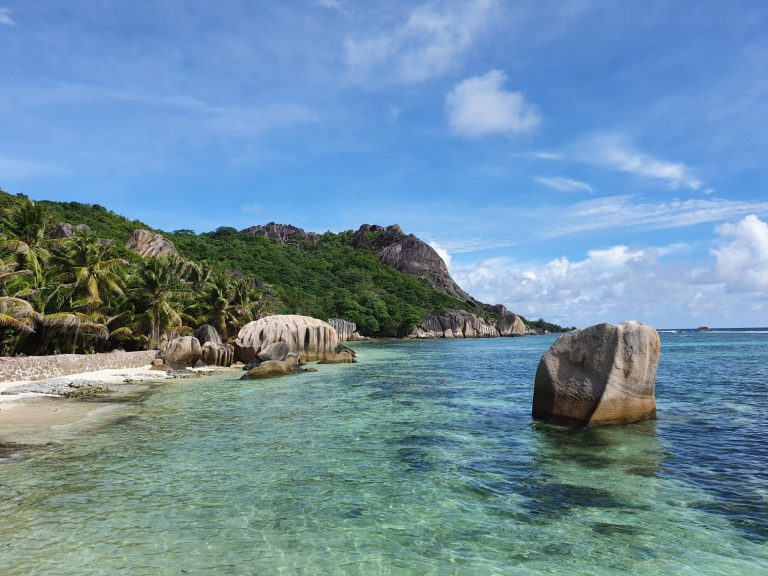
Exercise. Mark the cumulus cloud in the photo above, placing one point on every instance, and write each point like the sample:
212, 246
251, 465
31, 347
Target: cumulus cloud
480, 106
614, 152
430, 43
563, 184
742, 259
608, 285
5, 17
442, 252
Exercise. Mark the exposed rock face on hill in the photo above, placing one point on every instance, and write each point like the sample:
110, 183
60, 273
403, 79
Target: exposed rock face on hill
454, 324
313, 339
150, 245
409, 255
604, 374
66, 230
283, 233
345, 329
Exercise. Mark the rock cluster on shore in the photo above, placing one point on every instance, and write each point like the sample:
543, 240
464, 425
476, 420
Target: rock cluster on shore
603, 374
346, 330
463, 324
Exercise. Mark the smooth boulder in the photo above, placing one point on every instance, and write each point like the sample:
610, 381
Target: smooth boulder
181, 352
313, 339
207, 333
603, 374
218, 354
274, 368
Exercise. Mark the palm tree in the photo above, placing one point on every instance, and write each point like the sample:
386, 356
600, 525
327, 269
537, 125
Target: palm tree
158, 292
215, 303
90, 273
17, 314
25, 230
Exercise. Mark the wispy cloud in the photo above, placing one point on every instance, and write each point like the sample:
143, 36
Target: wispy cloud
614, 152
331, 4
563, 184
430, 43
252, 208
5, 17
625, 212
480, 106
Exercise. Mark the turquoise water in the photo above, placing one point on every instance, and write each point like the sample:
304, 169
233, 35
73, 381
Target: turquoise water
420, 459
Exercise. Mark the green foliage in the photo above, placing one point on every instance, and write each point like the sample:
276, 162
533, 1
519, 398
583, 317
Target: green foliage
324, 280
82, 289
542, 325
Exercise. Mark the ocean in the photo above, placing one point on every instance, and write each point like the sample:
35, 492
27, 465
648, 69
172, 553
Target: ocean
420, 459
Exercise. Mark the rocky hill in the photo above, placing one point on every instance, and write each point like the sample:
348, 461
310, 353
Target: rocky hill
386, 282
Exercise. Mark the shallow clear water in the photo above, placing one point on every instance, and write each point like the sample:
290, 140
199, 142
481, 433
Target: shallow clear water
420, 459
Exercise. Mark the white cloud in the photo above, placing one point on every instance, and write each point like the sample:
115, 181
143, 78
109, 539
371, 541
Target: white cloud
608, 285
540, 155
564, 184
252, 208
742, 263
331, 4
479, 106
430, 43
5, 17
624, 212
616, 153
442, 252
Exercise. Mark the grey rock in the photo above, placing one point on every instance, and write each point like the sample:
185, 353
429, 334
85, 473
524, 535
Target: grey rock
180, 352
275, 351
65, 230
345, 329
603, 374
207, 333
511, 325
282, 233
272, 369
150, 245
312, 338
409, 255
217, 354
454, 324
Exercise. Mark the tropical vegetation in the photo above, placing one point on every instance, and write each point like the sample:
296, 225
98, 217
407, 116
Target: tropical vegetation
87, 292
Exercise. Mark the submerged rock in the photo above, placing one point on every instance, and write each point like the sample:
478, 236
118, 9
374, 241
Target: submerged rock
313, 339
604, 374
343, 355
274, 368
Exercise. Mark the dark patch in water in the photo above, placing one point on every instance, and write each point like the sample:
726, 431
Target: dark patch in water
609, 529
354, 513
417, 459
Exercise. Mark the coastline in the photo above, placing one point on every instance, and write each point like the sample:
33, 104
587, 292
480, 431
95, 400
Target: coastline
33, 412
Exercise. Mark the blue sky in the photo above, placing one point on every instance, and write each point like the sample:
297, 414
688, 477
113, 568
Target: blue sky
579, 160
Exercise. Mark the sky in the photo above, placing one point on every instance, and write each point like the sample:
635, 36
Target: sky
577, 160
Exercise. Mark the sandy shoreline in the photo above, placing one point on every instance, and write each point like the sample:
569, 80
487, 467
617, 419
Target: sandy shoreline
32, 413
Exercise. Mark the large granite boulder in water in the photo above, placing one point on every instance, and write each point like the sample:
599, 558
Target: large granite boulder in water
511, 325
148, 244
180, 352
313, 339
604, 374
453, 324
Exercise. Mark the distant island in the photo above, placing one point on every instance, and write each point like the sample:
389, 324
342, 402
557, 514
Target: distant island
79, 278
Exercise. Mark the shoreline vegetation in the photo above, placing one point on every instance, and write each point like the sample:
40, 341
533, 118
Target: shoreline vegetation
77, 278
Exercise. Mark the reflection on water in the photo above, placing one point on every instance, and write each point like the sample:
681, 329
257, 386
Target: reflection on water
414, 461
